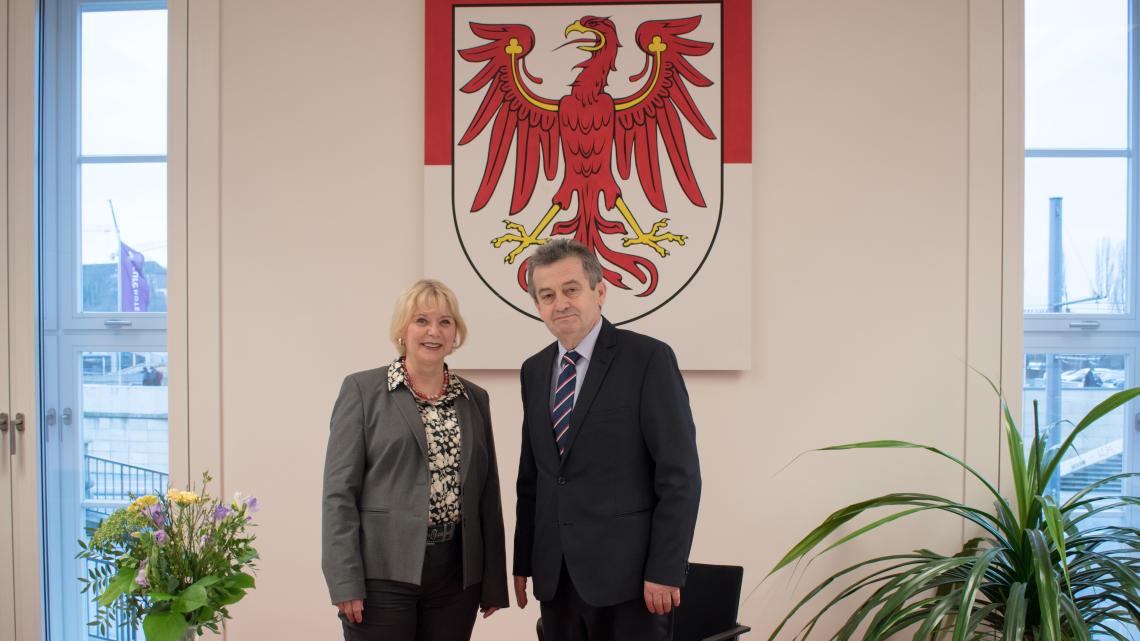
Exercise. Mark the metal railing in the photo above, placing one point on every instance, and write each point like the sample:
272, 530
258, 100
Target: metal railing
107, 480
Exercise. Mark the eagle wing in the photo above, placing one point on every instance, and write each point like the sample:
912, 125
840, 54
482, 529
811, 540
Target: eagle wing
657, 109
519, 115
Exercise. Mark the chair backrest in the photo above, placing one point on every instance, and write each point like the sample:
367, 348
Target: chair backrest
710, 601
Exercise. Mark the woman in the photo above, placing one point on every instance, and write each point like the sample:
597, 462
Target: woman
412, 523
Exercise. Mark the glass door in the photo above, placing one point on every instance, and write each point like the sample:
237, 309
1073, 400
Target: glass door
103, 282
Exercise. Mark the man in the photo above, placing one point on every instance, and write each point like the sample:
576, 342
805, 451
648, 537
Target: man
609, 481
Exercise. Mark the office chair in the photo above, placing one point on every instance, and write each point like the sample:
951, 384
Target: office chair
709, 604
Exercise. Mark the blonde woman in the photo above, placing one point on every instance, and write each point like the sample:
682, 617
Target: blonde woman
412, 526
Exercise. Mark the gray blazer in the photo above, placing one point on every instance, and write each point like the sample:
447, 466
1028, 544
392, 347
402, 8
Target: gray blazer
376, 483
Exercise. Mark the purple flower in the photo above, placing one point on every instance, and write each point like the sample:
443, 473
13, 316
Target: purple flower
221, 512
160, 536
251, 504
154, 513
140, 578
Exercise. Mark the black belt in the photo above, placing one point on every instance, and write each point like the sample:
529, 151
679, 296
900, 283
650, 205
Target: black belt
442, 532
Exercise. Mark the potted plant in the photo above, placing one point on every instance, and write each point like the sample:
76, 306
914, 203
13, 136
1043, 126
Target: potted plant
173, 562
1041, 570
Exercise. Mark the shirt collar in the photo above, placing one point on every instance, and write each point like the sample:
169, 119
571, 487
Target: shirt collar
397, 376
585, 347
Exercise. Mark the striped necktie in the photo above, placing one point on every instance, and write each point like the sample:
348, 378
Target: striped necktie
564, 399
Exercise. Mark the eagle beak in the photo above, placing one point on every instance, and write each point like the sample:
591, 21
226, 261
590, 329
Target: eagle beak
578, 27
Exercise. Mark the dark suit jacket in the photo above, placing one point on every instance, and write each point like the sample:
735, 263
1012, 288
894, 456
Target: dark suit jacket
376, 490
621, 505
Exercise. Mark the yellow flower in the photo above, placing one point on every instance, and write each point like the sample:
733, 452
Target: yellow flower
143, 502
182, 497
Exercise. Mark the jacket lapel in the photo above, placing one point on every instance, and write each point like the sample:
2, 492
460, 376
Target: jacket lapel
540, 404
402, 397
465, 412
599, 365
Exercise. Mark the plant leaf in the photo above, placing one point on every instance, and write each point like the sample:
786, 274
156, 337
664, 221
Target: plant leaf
117, 586
191, 599
1016, 606
1056, 529
969, 593
1046, 583
164, 626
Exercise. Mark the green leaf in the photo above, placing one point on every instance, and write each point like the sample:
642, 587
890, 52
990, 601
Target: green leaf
1046, 582
229, 597
118, 585
1016, 606
240, 580
164, 626
191, 599
160, 596
207, 581
970, 592
1055, 527
1074, 619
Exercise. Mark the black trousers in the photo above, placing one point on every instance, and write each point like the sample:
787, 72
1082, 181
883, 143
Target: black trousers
439, 609
567, 617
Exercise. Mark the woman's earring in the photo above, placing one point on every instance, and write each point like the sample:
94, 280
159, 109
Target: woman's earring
399, 341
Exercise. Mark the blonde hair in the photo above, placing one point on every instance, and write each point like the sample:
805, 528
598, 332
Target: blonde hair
422, 295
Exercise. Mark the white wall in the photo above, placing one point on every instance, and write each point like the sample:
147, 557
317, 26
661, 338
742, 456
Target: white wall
877, 261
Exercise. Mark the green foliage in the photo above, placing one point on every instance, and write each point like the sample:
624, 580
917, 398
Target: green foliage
172, 562
1039, 574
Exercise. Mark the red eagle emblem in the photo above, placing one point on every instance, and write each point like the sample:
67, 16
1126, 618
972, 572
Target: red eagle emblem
594, 132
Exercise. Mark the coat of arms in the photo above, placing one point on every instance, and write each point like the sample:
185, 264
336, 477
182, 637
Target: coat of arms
601, 128
625, 125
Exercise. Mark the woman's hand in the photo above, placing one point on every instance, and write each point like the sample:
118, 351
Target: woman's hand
488, 611
352, 610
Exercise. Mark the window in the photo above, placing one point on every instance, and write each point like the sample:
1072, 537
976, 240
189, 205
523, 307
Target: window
103, 258
1081, 214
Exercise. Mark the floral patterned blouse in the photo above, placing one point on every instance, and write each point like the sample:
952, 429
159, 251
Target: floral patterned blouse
441, 425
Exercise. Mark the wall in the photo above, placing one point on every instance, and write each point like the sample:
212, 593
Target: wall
881, 266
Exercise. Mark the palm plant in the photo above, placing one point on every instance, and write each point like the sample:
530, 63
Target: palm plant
1040, 572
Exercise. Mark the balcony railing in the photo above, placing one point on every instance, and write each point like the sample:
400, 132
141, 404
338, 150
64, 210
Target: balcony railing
108, 480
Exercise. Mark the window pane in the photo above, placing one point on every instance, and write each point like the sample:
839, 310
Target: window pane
1093, 236
1084, 380
123, 78
1076, 74
124, 440
124, 255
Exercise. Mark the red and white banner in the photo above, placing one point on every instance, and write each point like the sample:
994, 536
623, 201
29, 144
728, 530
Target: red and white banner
624, 125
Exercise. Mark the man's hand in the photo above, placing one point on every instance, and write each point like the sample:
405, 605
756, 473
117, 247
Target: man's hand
660, 599
352, 610
520, 591
489, 611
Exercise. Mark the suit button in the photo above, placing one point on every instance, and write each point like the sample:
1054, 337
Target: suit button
562, 480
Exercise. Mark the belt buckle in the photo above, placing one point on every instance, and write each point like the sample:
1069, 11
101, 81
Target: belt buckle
440, 533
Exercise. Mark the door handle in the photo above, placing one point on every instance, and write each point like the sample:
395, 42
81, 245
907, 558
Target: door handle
17, 426
4, 430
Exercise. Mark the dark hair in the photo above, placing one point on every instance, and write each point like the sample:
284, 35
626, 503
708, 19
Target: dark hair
554, 251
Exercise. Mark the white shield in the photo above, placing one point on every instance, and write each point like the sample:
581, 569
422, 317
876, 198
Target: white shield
556, 69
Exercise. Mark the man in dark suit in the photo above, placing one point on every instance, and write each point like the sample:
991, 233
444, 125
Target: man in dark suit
609, 481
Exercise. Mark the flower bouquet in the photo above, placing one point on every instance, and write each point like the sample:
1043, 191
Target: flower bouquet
173, 562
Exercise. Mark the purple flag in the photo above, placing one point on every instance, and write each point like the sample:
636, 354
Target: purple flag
134, 293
